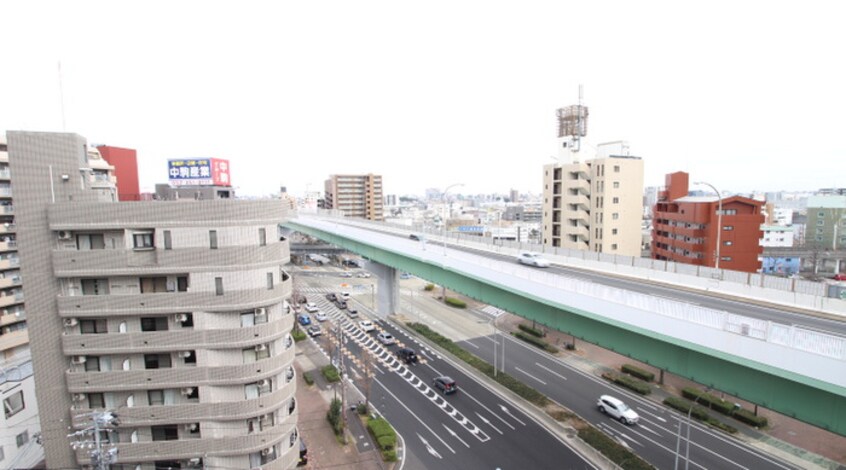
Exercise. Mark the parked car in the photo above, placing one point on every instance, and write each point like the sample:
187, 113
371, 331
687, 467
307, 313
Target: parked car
386, 338
839, 277
344, 295
367, 325
617, 409
314, 330
331, 297
321, 316
405, 276
311, 307
407, 355
445, 385
533, 259
352, 310
340, 303
304, 319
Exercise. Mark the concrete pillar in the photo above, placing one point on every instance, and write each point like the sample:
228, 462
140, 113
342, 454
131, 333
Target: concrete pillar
387, 288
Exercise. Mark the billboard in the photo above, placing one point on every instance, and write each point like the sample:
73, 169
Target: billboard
198, 172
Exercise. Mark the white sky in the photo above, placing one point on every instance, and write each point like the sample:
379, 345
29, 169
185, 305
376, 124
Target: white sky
744, 95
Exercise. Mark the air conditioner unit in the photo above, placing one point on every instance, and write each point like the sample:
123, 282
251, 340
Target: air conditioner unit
80, 397
261, 311
78, 359
261, 347
185, 353
265, 383
192, 427
187, 391
180, 317
70, 322
65, 235
266, 452
195, 461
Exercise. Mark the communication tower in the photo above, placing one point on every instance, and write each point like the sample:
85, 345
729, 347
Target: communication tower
572, 126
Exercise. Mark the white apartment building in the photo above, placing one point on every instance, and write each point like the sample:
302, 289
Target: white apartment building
169, 315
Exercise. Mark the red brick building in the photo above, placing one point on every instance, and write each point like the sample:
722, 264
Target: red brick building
685, 228
126, 171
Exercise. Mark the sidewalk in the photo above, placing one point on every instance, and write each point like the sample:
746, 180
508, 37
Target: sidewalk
324, 450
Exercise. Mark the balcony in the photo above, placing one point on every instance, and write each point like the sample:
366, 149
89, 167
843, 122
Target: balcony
5, 192
10, 263
170, 302
11, 318
7, 300
580, 185
14, 339
580, 232
7, 228
175, 340
4, 156
178, 377
13, 281
5, 174
581, 218
11, 245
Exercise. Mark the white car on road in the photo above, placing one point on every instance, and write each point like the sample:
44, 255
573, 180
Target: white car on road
386, 338
321, 316
617, 409
311, 307
367, 325
533, 259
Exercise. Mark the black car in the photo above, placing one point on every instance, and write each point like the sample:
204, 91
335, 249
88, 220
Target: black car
331, 297
340, 304
445, 384
407, 355
414, 237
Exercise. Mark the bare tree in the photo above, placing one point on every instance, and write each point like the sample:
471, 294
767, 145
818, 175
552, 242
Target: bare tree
367, 359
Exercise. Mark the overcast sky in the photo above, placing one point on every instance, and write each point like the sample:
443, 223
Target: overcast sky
744, 95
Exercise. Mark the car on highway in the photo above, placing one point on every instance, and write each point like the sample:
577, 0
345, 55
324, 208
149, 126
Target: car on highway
533, 259
445, 384
331, 297
310, 307
386, 338
363, 274
321, 316
304, 319
416, 237
616, 409
346, 274
366, 325
407, 355
313, 331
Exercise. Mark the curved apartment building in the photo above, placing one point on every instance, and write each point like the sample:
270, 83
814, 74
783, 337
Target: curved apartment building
162, 324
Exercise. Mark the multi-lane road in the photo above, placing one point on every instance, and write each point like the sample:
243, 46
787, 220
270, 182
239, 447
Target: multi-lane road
477, 428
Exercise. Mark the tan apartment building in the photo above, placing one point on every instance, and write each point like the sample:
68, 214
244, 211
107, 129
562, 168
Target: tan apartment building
595, 205
170, 315
355, 195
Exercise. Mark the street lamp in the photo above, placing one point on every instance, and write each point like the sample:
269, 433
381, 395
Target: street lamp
719, 220
678, 435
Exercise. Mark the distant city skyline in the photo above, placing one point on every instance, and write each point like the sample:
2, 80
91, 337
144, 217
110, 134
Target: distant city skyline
747, 97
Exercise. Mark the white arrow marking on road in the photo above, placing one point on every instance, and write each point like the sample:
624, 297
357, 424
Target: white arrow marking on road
629, 438
530, 375
653, 415
471, 344
550, 371
486, 421
429, 448
640, 426
455, 435
506, 411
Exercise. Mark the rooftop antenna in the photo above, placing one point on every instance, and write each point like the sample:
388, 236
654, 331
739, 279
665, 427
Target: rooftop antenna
62, 97
572, 126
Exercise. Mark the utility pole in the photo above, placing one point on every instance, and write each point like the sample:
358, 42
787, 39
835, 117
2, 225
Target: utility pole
101, 421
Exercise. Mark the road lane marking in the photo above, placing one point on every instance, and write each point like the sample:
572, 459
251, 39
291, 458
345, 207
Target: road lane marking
550, 371
412, 414
455, 435
508, 412
429, 447
530, 375
653, 415
488, 422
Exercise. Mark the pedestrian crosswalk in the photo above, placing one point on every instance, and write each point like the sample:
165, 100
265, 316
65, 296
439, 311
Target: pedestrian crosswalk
493, 311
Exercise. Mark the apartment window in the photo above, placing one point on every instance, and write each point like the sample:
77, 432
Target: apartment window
616, 168
91, 241
218, 286
820, 231
182, 283
92, 363
269, 281
615, 200
22, 438
213, 239
262, 237
93, 326
155, 397
167, 240
14, 404
152, 285
820, 214
96, 400
191, 358
95, 286
820, 222
189, 320
728, 228
819, 238
143, 240
157, 361
725, 258
168, 432
613, 246
615, 216
154, 324
728, 243
613, 231
616, 185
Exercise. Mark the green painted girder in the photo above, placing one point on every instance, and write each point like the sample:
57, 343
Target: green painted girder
813, 401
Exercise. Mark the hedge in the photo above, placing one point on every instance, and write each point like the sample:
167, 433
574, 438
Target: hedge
612, 449
331, 373
530, 330
307, 378
334, 417
706, 399
429, 287
385, 436
630, 383
638, 372
750, 418
684, 406
536, 342
298, 335
457, 303
504, 379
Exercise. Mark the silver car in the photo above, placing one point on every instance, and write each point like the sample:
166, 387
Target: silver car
617, 409
533, 259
